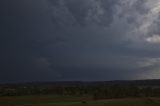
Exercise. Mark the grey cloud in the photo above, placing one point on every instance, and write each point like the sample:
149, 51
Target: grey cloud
72, 12
77, 40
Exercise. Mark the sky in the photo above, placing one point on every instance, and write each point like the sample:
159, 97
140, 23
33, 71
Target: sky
79, 40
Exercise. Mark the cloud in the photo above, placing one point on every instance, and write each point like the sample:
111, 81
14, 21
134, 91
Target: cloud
144, 24
155, 39
80, 39
149, 68
76, 12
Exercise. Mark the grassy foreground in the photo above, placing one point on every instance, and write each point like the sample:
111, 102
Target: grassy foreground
74, 101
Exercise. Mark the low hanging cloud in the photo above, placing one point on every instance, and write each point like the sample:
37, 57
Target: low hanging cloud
122, 27
80, 40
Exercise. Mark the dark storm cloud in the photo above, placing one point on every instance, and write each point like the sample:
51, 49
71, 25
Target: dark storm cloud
79, 40
82, 12
118, 39
20, 23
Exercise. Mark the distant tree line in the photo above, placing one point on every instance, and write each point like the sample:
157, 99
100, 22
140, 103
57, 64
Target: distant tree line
97, 92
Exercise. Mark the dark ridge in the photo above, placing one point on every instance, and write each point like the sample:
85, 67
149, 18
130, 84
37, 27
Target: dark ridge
145, 83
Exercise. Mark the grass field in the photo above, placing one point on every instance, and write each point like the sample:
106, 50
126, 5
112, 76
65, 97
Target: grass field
74, 101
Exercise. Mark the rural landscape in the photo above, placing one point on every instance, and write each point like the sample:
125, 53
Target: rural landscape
79, 52
107, 93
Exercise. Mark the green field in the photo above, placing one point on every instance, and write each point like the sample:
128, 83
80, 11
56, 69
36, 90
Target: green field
74, 101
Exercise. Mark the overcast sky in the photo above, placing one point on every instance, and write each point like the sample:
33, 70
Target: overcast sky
79, 40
